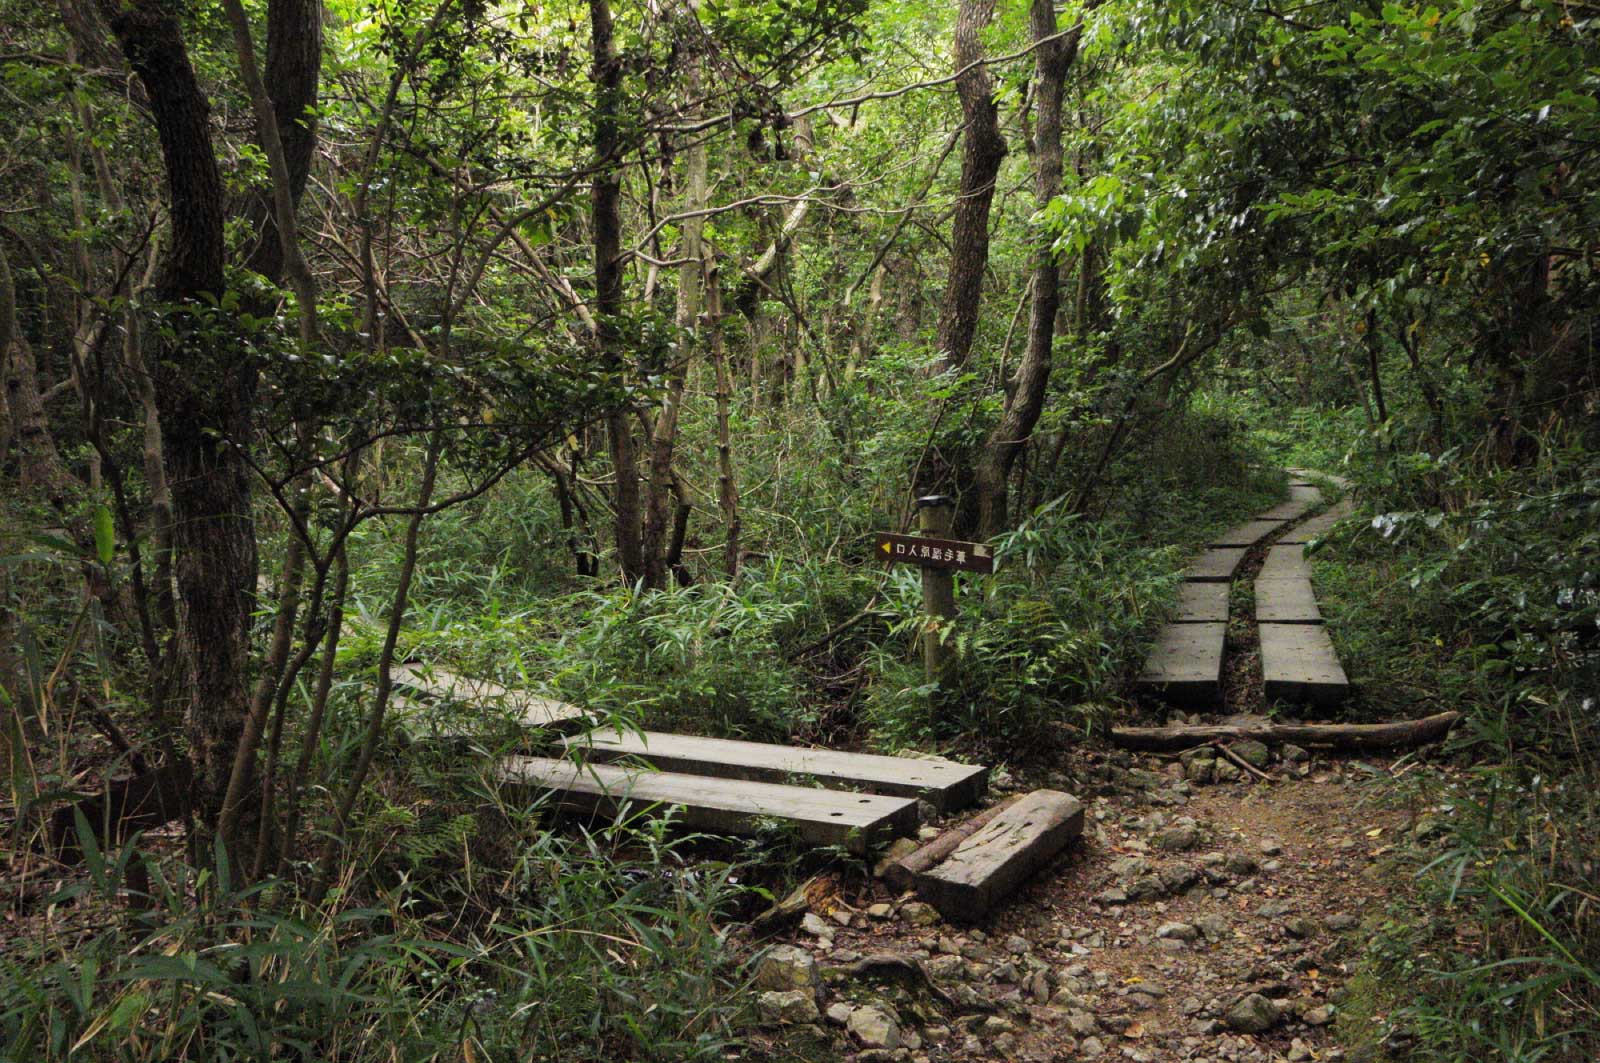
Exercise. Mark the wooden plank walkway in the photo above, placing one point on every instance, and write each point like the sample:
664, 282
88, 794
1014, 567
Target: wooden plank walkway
1320, 525
1286, 601
1302, 500
1216, 565
1285, 562
998, 857
1298, 663
726, 806
527, 710
943, 783
1202, 603
1247, 534
1186, 664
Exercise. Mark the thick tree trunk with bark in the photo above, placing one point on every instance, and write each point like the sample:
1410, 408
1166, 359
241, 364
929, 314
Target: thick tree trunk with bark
1026, 390
205, 390
605, 207
981, 152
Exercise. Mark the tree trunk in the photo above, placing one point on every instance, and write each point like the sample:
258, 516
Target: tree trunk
606, 219
981, 152
660, 513
205, 390
727, 487
1026, 390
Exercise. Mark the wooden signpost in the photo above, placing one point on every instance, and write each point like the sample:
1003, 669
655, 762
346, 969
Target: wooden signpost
939, 557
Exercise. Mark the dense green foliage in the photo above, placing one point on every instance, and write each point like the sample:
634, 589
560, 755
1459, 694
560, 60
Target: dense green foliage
1353, 236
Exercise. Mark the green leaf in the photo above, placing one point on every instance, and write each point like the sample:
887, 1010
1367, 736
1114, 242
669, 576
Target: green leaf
105, 535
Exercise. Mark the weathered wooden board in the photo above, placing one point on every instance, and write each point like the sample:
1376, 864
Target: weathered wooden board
1186, 664
1298, 663
1285, 562
1247, 534
497, 702
1202, 603
995, 860
1320, 525
943, 783
723, 806
1286, 601
1302, 500
1215, 565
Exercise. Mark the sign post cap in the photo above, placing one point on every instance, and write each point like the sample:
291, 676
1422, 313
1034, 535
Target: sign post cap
928, 501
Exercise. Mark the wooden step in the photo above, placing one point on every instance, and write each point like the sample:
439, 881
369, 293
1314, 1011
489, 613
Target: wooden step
943, 783
1286, 601
1320, 525
721, 806
998, 858
1186, 664
494, 701
1285, 562
1247, 534
1299, 664
1215, 565
1202, 603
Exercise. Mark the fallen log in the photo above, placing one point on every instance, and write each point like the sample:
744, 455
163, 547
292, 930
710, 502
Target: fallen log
901, 873
1342, 736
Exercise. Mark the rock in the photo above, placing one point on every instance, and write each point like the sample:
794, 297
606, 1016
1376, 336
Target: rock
1299, 1051
1340, 921
1293, 754
1274, 909
1180, 931
1241, 864
995, 1025
1226, 771
815, 925
1179, 879
927, 834
1300, 927
1018, 945
1214, 927
1254, 1014
1111, 897
839, 1013
879, 911
1178, 839
1270, 847
1147, 888
918, 913
1319, 1016
1251, 752
1091, 1047
946, 968
787, 1007
1039, 987
874, 1027
786, 967
843, 916
1082, 1023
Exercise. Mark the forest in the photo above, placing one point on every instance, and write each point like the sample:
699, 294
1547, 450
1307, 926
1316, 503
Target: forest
388, 384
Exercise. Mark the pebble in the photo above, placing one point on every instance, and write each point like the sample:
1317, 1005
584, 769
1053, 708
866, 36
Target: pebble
1180, 931
787, 1006
786, 967
1254, 1014
1018, 945
918, 913
874, 1027
814, 925
1271, 848
1091, 1047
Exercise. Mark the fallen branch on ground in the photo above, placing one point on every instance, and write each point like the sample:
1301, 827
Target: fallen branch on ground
1344, 736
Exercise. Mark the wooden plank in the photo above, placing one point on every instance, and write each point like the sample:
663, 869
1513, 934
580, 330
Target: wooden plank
497, 702
1215, 565
1285, 562
1186, 664
1202, 603
995, 860
1286, 601
943, 783
724, 806
1247, 534
1298, 663
1320, 525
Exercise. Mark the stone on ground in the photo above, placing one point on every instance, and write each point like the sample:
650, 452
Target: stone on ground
786, 967
875, 1027
787, 1006
1254, 1014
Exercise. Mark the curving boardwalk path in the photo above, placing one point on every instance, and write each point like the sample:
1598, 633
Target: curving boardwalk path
1298, 660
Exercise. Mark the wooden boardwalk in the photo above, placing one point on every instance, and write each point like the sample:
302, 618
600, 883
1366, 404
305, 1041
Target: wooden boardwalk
857, 821
943, 783
1185, 665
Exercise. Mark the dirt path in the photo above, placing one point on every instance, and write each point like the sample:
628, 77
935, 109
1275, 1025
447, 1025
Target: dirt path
1207, 915
1198, 921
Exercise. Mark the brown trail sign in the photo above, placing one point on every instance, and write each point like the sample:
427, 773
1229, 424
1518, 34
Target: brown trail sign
935, 553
